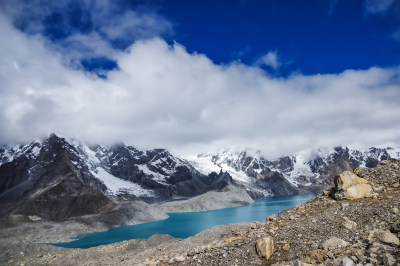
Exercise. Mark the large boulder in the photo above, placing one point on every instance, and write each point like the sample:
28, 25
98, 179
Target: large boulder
350, 186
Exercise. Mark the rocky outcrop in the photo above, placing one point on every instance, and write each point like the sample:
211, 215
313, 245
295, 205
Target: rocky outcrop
265, 247
350, 186
50, 185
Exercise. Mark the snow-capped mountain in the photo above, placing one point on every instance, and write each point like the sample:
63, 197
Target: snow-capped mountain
58, 178
289, 174
60, 172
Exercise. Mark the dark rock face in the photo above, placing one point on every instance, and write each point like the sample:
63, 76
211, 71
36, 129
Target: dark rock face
265, 179
155, 170
48, 184
344, 159
67, 199
57, 179
13, 173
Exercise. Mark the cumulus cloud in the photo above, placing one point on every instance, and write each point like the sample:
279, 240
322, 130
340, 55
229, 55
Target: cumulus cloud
163, 96
87, 28
270, 59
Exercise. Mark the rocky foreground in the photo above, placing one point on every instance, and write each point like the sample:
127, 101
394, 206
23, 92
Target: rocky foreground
358, 222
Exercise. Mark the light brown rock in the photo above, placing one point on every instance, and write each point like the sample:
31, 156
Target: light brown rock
348, 179
350, 225
265, 247
317, 255
387, 238
350, 186
359, 191
179, 258
334, 243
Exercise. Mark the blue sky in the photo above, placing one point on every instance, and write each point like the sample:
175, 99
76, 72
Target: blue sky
280, 76
314, 36
309, 36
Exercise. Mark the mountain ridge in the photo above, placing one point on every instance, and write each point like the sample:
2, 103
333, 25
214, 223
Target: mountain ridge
36, 178
300, 173
40, 175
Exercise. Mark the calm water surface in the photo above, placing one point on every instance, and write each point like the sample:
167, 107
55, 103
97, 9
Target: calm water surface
183, 225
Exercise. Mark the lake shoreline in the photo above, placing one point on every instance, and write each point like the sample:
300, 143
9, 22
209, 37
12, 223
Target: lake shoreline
188, 224
31, 237
23, 236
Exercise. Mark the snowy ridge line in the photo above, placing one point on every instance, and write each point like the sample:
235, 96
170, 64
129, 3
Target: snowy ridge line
125, 169
10, 152
303, 166
99, 159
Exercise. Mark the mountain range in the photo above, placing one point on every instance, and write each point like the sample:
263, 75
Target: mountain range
58, 178
293, 174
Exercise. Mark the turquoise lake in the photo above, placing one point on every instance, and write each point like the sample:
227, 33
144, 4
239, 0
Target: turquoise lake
183, 225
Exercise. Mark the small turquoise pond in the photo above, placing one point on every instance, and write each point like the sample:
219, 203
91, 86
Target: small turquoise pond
183, 225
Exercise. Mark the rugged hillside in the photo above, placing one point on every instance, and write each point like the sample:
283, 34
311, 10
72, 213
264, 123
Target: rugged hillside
58, 178
323, 231
290, 174
49, 180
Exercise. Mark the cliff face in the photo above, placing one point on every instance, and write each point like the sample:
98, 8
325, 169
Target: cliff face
45, 182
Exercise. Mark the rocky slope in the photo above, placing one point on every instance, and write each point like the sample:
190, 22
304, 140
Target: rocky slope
300, 173
57, 178
231, 197
323, 231
43, 179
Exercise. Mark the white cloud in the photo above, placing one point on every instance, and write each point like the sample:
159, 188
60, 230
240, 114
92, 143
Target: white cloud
102, 24
163, 96
270, 59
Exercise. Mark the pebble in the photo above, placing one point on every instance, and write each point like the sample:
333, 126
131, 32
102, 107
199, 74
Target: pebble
345, 261
388, 260
334, 243
388, 238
